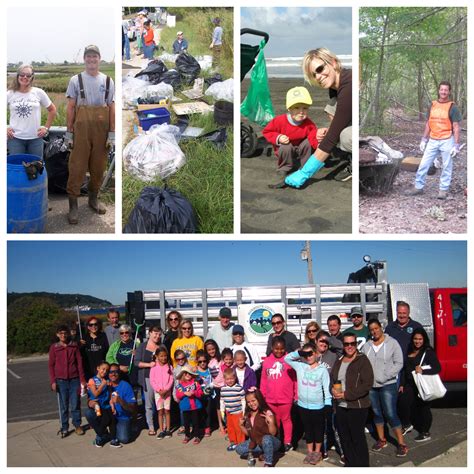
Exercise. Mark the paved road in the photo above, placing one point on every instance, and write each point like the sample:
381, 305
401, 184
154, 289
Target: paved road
29, 399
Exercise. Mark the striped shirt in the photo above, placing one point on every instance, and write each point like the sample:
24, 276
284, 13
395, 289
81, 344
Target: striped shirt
232, 398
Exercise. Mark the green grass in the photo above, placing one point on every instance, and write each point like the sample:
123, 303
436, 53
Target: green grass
206, 179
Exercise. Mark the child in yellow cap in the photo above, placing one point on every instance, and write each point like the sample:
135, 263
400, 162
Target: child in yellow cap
293, 135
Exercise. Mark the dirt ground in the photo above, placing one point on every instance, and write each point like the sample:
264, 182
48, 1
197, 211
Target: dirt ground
397, 213
323, 205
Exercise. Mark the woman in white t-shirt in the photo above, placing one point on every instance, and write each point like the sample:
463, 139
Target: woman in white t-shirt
25, 133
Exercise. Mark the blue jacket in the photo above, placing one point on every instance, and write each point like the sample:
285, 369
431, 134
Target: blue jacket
178, 47
313, 384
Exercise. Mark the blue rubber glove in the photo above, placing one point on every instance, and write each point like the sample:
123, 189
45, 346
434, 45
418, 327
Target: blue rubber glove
298, 178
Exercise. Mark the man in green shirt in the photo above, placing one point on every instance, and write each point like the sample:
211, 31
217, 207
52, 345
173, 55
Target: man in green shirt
360, 331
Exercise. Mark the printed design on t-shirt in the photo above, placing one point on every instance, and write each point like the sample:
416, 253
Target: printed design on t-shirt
95, 347
310, 378
23, 109
360, 342
125, 351
276, 371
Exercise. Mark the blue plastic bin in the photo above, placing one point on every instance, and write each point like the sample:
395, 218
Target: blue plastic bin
150, 117
27, 201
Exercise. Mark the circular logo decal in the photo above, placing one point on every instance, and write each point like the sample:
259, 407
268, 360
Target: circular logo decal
260, 320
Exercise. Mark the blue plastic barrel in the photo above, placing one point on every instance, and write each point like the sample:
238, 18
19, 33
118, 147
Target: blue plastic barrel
27, 201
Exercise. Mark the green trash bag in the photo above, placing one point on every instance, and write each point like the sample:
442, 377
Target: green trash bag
257, 106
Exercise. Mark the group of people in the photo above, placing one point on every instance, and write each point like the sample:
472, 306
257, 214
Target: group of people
302, 148
341, 383
90, 117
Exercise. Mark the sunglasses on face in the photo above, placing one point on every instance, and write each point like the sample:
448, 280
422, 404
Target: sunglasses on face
113, 372
202, 361
173, 319
308, 354
92, 324
179, 360
320, 69
324, 341
276, 323
311, 331
186, 329
126, 332
28, 76
348, 344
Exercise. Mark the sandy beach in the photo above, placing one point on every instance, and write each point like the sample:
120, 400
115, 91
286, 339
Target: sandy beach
323, 205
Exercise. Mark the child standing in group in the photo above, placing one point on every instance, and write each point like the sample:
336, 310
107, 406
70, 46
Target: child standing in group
314, 397
181, 360
189, 393
233, 401
205, 379
293, 135
214, 355
100, 413
161, 380
245, 375
260, 426
278, 387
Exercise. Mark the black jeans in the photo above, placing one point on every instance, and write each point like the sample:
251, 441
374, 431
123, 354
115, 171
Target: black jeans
100, 423
191, 418
313, 423
350, 423
412, 408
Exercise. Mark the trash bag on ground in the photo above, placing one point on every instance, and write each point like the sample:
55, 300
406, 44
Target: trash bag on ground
188, 67
161, 211
170, 58
217, 138
155, 153
204, 61
56, 157
154, 92
173, 78
222, 90
257, 106
133, 89
154, 67
212, 80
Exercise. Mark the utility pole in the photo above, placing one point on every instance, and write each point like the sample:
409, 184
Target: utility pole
306, 255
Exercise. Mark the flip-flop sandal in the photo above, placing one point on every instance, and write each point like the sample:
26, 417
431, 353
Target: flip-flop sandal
196, 441
151, 433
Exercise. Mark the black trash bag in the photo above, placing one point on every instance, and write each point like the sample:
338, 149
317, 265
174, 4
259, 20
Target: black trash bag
161, 211
211, 80
218, 137
157, 66
188, 67
56, 158
173, 78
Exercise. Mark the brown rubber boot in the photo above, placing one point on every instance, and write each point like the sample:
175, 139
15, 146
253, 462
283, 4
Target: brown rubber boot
96, 204
73, 215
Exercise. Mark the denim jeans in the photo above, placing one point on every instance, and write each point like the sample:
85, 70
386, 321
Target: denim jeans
384, 403
269, 446
124, 431
148, 51
17, 146
126, 47
432, 150
69, 402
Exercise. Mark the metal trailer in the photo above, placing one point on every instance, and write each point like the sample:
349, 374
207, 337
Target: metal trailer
298, 303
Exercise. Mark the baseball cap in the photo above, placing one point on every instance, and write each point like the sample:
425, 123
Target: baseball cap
356, 310
179, 33
92, 48
238, 329
226, 312
298, 95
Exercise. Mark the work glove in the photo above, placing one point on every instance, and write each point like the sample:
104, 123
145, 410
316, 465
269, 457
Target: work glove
423, 143
110, 143
298, 178
69, 140
455, 150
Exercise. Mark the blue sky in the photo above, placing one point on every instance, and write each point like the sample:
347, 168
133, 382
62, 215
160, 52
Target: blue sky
293, 31
108, 269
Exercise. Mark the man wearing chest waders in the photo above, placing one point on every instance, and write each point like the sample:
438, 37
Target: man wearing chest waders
90, 130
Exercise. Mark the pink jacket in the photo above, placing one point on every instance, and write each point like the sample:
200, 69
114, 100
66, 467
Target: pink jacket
161, 377
278, 383
219, 380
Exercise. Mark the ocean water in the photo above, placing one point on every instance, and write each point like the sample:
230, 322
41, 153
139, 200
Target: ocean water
291, 66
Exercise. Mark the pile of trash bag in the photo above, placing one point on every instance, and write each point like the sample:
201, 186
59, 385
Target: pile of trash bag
155, 69
155, 153
161, 211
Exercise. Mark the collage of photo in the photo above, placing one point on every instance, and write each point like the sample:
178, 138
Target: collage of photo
318, 317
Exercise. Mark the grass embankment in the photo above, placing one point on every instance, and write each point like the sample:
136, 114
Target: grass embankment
206, 179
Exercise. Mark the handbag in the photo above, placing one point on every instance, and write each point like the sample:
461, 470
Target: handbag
430, 387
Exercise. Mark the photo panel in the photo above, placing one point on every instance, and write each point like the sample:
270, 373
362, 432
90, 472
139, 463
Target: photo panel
296, 114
